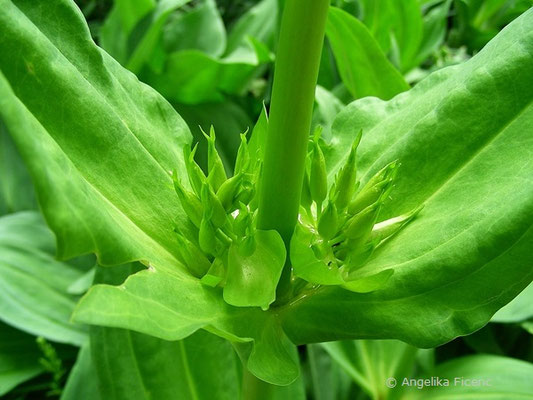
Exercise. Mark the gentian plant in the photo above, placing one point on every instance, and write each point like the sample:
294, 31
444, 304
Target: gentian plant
410, 219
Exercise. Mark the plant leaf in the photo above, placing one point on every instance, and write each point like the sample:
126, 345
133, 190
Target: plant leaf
82, 381
363, 67
468, 252
518, 310
200, 29
135, 366
107, 141
164, 305
16, 189
501, 378
147, 33
33, 285
254, 269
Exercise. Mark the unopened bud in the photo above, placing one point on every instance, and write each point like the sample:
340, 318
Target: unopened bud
195, 261
195, 173
243, 157
227, 193
189, 202
360, 225
215, 211
207, 237
346, 180
390, 227
376, 188
215, 166
318, 182
306, 199
243, 222
327, 225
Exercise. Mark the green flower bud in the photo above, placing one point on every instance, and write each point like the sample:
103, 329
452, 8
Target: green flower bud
189, 202
215, 166
318, 182
215, 211
207, 237
345, 182
242, 162
360, 225
327, 225
227, 193
390, 227
195, 261
376, 188
195, 173
306, 199
357, 257
247, 191
243, 222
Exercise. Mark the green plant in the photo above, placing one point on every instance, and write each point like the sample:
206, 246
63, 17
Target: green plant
101, 148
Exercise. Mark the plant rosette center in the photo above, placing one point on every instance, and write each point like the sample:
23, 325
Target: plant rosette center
337, 229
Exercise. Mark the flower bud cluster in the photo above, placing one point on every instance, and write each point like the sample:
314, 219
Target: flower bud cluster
222, 209
339, 223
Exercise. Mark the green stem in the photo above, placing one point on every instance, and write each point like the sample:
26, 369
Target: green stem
296, 72
254, 388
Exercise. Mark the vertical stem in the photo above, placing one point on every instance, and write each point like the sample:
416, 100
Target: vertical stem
254, 388
295, 76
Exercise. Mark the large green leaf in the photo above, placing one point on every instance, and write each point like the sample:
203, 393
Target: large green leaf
480, 377
167, 306
135, 366
463, 136
363, 67
82, 381
19, 358
200, 29
107, 141
16, 189
518, 310
147, 33
33, 285
258, 22
119, 24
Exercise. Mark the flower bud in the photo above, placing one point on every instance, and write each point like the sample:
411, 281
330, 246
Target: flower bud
197, 263
357, 256
376, 188
215, 166
306, 199
327, 225
345, 182
243, 222
215, 211
195, 173
247, 190
318, 182
360, 225
243, 157
207, 237
189, 202
227, 193
390, 227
